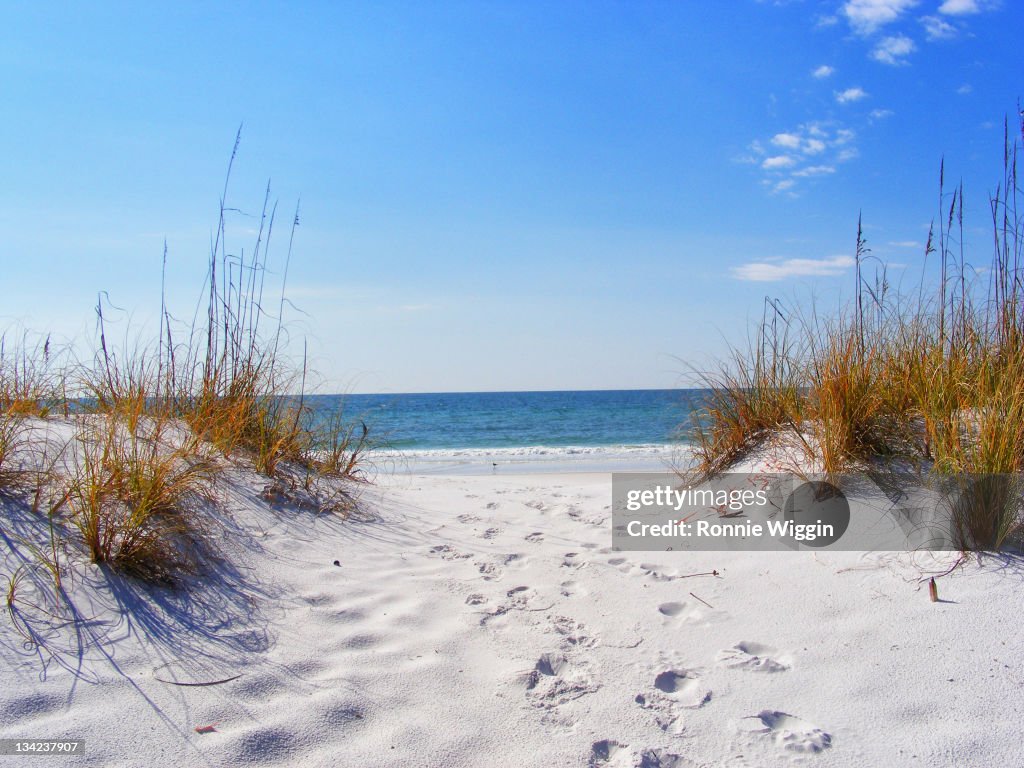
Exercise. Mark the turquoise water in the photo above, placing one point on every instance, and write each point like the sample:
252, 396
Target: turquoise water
522, 423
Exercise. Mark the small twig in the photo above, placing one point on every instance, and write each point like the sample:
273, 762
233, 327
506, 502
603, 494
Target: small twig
691, 575
709, 605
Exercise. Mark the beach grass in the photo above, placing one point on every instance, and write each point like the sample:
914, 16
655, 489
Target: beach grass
150, 423
933, 374
134, 498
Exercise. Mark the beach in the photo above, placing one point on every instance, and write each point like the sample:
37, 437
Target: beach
484, 620
513, 385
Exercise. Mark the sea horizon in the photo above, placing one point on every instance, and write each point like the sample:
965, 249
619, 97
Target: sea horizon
551, 430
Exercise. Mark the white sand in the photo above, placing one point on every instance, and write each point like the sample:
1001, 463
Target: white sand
484, 621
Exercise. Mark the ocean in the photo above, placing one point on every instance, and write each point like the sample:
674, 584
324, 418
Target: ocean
487, 431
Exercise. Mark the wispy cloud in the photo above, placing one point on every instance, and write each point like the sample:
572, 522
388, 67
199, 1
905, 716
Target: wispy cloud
868, 16
815, 170
893, 50
905, 244
880, 114
763, 271
823, 71
787, 140
960, 7
964, 89
850, 95
805, 144
937, 29
778, 161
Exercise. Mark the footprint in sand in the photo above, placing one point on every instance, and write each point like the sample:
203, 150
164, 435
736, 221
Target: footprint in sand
660, 758
788, 731
609, 753
535, 537
551, 664
752, 657
521, 595
658, 573
490, 533
672, 609
689, 612
448, 553
476, 599
573, 633
468, 518
674, 689
492, 505
684, 687
572, 560
555, 681
488, 571
516, 599
590, 519
572, 588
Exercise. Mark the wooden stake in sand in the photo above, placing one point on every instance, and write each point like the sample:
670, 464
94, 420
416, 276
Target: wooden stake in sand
933, 591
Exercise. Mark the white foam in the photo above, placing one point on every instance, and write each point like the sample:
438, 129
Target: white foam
537, 458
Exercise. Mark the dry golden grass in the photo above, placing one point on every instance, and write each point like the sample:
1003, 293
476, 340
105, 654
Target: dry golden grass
32, 376
936, 377
135, 485
135, 499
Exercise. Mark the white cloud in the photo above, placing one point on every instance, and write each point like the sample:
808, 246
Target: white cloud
937, 29
815, 170
868, 16
843, 136
809, 151
787, 140
822, 72
880, 114
905, 244
776, 162
850, 95
893, 50
964, 89
959, 7
814, 147
760, 271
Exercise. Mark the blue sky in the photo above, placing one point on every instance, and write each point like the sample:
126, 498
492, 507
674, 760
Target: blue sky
495, 195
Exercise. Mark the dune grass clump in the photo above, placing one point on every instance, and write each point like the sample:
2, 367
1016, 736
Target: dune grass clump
757, 393
32, 376
934, 375
337, 447
134, 499
134, 487
12, 476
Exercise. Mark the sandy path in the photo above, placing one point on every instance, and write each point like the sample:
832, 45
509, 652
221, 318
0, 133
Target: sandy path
481, 621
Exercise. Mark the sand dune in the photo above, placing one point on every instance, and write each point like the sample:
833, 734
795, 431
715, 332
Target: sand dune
485, 621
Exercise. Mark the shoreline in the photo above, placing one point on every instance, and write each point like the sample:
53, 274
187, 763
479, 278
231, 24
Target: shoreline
534, 459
